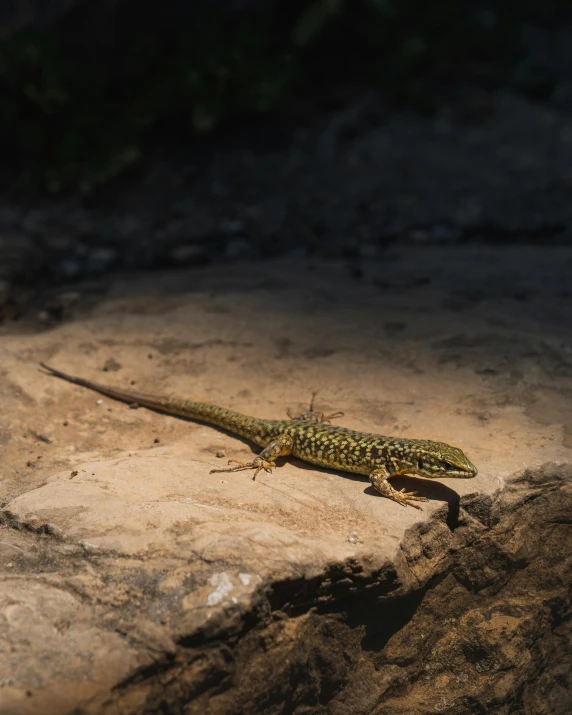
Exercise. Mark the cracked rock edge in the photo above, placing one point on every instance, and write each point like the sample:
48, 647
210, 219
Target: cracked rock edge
473, 616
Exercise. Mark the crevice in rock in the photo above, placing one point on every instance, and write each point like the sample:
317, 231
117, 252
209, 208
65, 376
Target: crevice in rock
326, 592
396, 613
7, 518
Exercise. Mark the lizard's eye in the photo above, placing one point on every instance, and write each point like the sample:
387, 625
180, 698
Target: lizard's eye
419, 464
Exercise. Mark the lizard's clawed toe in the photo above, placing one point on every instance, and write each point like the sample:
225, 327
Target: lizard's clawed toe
257, 464
407, 498
240, 466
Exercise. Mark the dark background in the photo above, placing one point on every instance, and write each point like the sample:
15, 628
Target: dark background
150, 135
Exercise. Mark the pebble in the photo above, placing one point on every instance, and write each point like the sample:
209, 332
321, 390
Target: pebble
353, 538
99, 402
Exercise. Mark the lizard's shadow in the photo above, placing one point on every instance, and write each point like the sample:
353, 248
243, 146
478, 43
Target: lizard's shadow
432, 490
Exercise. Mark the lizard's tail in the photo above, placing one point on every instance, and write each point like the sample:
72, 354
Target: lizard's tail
129, 396
250, 427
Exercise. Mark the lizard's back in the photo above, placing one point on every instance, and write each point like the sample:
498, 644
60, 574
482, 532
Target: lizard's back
332, 446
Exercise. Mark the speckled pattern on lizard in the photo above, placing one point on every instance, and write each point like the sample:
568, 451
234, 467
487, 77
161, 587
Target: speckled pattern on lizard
310, 437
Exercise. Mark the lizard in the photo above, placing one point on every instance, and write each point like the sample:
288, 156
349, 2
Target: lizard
311, 438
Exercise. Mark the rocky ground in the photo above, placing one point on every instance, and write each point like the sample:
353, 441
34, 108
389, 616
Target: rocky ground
415, 272
486, 168
133, 581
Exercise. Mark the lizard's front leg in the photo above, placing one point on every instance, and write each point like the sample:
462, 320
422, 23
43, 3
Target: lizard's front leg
279, 447
379, 478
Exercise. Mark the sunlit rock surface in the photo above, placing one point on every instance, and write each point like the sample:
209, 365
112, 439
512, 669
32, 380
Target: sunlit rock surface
134, 581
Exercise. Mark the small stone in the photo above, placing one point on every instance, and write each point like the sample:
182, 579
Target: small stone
65, 423
220, 453
156, 440
53, 530
99, 402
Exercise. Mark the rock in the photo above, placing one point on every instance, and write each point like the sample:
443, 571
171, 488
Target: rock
133, 581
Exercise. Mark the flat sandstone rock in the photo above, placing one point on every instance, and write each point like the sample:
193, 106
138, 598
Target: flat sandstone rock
132, 579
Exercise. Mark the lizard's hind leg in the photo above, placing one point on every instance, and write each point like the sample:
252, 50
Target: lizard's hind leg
279, 447
312, 415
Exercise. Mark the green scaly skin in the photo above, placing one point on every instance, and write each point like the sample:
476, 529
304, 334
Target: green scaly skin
309, 437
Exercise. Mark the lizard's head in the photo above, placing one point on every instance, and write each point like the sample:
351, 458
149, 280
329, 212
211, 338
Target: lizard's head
437, 459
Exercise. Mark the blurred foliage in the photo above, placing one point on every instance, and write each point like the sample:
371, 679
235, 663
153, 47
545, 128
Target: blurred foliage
69, 123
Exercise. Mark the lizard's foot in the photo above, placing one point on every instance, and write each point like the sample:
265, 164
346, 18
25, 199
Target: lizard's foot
312, 415
379, 477
257, 464
279, 447
406, 498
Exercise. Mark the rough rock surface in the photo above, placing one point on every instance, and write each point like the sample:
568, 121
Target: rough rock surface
133, 581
